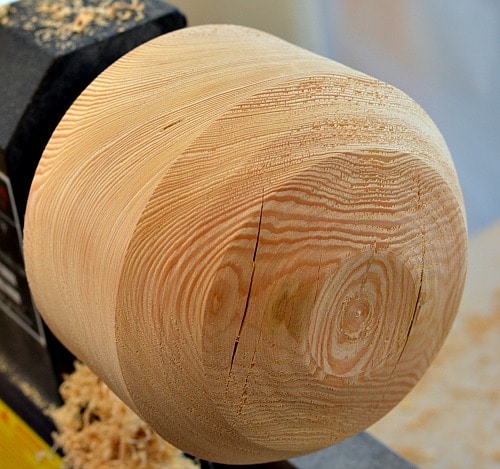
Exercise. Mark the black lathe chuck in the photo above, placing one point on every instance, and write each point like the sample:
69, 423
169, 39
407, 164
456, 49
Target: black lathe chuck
49, 52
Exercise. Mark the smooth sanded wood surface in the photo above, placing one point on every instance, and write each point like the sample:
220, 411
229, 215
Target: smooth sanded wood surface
260, 250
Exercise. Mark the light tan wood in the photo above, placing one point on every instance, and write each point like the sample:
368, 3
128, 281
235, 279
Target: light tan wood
258, 249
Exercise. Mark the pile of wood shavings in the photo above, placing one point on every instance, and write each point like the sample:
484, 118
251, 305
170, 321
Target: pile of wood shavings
96, 430
61, 19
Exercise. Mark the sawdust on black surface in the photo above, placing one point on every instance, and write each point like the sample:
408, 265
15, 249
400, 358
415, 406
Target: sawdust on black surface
62, 19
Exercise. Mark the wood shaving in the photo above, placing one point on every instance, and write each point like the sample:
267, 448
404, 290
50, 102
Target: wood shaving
96, 430
60, 20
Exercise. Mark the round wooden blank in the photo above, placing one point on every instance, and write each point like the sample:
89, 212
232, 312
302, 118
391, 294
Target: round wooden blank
258, 249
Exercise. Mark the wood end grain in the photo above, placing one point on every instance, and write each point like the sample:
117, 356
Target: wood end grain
259, 250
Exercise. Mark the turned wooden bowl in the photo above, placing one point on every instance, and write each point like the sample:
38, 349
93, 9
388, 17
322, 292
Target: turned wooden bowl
258, 249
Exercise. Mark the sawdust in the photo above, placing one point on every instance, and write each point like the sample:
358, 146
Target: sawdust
494, 397
96, 430
478, 327
27, 389
415, 455
421, 420
60, 20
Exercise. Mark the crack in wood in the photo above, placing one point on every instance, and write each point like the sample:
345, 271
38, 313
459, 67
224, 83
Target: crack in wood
237, 340
171, 124
418, 302
416, 310
368, 267
244, 392
317, 279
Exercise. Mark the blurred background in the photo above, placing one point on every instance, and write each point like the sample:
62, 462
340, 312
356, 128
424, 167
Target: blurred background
446, 56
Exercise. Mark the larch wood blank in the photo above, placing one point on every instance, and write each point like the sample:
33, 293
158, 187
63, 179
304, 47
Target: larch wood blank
258, 249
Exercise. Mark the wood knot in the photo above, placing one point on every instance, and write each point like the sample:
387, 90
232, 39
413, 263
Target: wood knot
356, 318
